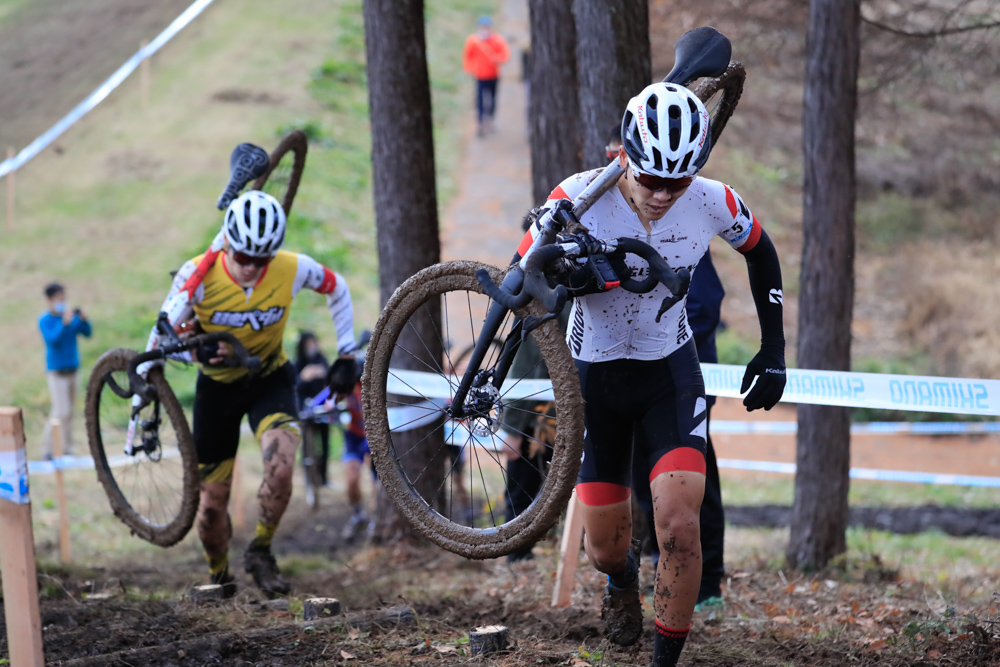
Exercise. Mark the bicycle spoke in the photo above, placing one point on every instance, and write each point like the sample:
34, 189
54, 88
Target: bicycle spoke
489, 501
433, 370
430, 354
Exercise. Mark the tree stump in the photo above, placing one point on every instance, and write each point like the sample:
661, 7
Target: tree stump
320, 608
488, 639
207, 593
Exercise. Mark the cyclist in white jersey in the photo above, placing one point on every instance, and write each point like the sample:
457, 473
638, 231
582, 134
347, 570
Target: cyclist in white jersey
640, 377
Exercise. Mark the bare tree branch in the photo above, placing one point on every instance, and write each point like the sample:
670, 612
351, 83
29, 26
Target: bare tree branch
933, 33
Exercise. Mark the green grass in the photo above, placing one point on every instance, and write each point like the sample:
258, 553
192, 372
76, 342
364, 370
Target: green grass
954, 566
753, 488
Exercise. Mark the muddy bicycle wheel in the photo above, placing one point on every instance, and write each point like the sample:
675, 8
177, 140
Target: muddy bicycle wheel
459, 502
287, 160
720, 95
153, 488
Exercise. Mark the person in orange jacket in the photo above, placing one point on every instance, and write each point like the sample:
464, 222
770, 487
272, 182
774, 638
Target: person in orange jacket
485, 51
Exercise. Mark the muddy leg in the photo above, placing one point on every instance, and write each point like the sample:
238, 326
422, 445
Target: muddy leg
677, 499
278, 446
607, 535
214, 526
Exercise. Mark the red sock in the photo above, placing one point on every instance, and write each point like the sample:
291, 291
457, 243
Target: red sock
667, 645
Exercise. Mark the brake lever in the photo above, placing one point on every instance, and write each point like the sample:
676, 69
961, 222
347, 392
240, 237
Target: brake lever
684, 282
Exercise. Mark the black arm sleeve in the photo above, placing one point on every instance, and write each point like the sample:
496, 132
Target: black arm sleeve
765, 283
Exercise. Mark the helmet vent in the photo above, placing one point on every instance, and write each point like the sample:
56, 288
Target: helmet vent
692, 106
671, 165
695, 128
687, 160
654, 127
674, 111
261, 222
675, 138
657, 159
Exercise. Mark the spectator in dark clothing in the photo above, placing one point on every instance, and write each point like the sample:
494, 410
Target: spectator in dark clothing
311, 368
704, 308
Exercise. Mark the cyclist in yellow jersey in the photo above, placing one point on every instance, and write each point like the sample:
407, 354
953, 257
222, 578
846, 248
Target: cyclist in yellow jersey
245, 285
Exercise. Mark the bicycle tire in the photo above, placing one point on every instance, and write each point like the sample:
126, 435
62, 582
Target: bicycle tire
458, 277
729, 88
174, 525
296, 142
310, 461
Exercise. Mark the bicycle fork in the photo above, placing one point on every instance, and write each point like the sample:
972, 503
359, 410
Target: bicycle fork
491, 327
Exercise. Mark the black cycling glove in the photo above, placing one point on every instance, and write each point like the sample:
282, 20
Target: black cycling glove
768, 366
209, 351
343, 376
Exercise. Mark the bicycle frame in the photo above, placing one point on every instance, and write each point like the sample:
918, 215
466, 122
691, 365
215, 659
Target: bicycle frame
513, 282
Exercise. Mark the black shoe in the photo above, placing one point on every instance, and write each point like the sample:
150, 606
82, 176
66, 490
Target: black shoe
227, 581
260, 563
621, 608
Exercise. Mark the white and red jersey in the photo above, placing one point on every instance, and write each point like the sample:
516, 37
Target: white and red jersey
621, 325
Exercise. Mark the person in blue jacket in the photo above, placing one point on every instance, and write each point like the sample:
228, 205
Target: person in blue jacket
60, 328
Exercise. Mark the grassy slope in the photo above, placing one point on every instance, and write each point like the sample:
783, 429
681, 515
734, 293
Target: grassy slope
132, 193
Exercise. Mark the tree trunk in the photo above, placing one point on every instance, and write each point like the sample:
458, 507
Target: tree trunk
613, 55
405, 199
819, 514
553, 105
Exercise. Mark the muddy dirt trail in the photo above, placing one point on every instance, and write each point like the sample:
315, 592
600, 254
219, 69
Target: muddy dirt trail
53, 54
137, 611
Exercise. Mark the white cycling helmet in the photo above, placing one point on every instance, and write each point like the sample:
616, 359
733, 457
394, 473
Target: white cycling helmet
255, 224
666, 131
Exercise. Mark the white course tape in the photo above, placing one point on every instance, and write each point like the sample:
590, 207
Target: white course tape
96, 97
869, 390
870, 474
14, 477
431, 385
869, 428
853, 390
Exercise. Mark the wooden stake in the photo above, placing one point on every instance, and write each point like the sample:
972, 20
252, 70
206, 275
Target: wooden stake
236, 492
144, 77
569, 554
17, 552
10, 191
57, 449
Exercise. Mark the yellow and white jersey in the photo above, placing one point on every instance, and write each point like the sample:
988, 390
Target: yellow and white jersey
257, 315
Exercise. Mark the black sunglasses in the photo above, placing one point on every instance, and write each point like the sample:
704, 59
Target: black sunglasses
657, 183
244, 259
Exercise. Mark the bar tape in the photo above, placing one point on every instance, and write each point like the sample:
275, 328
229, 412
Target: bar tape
14, 477
913, 393
96, 97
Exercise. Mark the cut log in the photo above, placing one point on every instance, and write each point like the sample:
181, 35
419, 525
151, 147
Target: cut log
488, 639
314, 608
207, 593
366, 620
281, 604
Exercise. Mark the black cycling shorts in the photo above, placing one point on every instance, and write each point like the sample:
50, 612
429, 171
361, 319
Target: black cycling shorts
219, 407
654, 409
